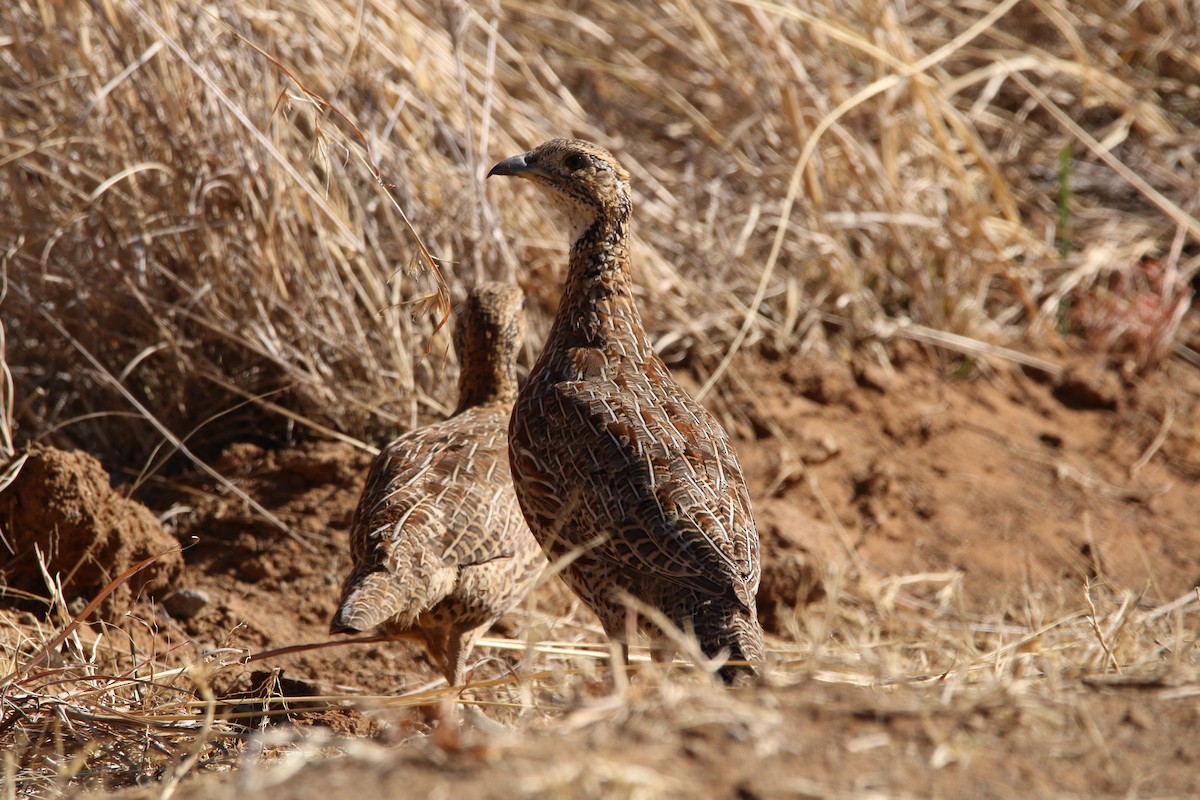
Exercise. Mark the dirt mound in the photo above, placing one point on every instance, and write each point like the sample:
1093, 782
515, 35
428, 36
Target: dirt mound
63, 505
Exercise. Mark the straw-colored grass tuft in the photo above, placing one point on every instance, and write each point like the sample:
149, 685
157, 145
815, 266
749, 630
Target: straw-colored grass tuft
85, 706
199, 222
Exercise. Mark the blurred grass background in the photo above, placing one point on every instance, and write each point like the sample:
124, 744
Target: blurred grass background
195, 250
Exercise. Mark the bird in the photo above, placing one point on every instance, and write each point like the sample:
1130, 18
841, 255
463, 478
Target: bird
625, 479
439, 546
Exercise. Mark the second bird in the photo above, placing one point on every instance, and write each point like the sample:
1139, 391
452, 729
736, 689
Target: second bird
438, 543
618, 470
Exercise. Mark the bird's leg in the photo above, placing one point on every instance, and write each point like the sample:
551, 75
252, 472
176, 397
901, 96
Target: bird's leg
618, 660
619, 649
460, 643
459, 646
662, 652
438, 644
455, 659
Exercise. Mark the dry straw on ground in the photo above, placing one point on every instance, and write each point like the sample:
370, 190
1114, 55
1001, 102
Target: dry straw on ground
195, 251
99, 713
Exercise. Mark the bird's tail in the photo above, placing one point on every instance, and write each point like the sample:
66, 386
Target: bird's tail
734, 629
367, 601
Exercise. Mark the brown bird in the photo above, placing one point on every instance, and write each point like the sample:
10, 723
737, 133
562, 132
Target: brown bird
619, 471
438, 543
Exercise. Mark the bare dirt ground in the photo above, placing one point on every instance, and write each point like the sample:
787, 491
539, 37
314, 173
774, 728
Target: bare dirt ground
899, 503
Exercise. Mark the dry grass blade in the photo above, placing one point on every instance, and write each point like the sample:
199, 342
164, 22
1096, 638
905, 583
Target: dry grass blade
45, 651
905, 71
961, 344
9, 466
7, 446
441, 299
78, 710
1168, 208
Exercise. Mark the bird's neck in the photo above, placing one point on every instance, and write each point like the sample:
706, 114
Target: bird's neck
486, 377
597, 307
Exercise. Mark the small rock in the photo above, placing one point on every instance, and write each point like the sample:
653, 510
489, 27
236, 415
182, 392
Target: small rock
186, 603
790, 580
823, 382
819, 448
257, 569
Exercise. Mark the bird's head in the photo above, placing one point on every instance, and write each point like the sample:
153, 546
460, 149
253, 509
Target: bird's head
584, 180
488, 336
492, 319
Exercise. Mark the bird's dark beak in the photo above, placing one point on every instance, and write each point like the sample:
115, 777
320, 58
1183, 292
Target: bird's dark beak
517, 165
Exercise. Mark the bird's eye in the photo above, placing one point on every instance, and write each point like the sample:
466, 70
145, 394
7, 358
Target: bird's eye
576, 162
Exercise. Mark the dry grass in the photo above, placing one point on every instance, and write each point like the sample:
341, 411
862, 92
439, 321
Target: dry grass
196, 251
102, 713
211, 234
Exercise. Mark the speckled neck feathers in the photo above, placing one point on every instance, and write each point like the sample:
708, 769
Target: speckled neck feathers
597, 307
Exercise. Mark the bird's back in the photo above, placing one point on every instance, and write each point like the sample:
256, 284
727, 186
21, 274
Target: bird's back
438, 541
614, 457
436, 500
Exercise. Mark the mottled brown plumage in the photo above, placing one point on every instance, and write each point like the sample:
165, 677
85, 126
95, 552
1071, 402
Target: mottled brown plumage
614, 464
438, 542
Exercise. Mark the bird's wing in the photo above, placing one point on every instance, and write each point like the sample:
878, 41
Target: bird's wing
675, 504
